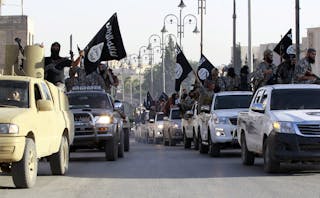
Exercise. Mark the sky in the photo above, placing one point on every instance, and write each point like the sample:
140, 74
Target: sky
55, 20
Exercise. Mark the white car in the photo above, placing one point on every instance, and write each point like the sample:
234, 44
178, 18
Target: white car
156, 128
223, 119
190, 127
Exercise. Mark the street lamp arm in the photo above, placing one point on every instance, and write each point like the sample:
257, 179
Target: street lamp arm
170, 15
155, 35
190, 15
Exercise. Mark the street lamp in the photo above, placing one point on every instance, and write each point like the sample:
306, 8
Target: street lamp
140, 59
154, 38
181, 22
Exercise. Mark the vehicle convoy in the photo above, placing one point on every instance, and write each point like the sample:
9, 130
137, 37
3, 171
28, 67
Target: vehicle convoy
35, 123
282, 125
172, 130
223, 121
155, 128
98, 124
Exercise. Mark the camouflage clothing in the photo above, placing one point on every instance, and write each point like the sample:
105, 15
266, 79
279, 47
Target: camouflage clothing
301, 68
219, 83
205, 97
260, 78
232, 84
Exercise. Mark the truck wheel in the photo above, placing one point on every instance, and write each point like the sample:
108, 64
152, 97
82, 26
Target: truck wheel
121, 146
270, 165
214, 149
186, 141
111, 149
195, 142
203, 149
126, 140
246, 156
24, 172
59, 161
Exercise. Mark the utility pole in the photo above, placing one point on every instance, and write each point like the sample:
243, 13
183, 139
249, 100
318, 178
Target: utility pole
250, 64
298, 30
234, 16
201, 8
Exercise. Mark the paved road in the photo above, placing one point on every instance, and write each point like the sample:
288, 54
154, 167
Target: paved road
158, 171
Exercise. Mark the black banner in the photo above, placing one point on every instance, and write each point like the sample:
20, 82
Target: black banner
285, 47
106, 45
204, 69
182, 70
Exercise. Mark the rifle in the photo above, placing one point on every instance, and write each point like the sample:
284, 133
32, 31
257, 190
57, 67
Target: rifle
71, 52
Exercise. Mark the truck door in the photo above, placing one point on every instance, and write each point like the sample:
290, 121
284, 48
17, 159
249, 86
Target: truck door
254, 126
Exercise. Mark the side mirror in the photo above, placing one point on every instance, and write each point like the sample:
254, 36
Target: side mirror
118, 106
151, 121
258, 107
44, 105
205, 109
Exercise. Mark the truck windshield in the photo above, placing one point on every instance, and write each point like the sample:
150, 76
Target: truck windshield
232, 102
175, 114
89, 100
14, 93
282, 99
160, 117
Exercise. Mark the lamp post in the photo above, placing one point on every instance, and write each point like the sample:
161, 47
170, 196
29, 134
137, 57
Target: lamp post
201, 8
140, 67
181, 22
150, 48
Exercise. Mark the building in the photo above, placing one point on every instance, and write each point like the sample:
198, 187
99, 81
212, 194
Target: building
12, 27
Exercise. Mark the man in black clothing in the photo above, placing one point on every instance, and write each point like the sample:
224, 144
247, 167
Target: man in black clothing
285, 70
55, 64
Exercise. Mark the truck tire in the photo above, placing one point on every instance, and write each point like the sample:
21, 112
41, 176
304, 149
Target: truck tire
214, 149
24, 172
203, 149
59, 161
246, 156
172, 142
111, 149
270, 165
126, 140
195, 142
186, 141
121, 146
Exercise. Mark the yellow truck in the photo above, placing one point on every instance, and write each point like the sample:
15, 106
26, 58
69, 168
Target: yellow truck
35, 123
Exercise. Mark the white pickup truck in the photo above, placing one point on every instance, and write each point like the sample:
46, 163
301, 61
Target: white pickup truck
282, 125
223, 121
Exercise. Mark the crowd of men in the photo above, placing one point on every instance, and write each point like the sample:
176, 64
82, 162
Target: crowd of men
266, 73
287, 72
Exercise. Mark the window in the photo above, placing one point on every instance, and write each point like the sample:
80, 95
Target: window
46, 91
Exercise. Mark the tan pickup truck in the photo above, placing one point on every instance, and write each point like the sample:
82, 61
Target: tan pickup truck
35, 123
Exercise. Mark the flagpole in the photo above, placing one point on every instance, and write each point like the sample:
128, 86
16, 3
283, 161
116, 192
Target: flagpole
250, 64
298, 30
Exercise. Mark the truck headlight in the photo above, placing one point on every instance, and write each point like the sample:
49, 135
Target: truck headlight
103, 119
283, 127
175, 126
9, 129
221, 120
160, 126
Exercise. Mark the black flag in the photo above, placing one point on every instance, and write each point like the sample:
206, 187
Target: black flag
183, 68
204, 69
106, 45
163, 96
149, 101
285, 47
